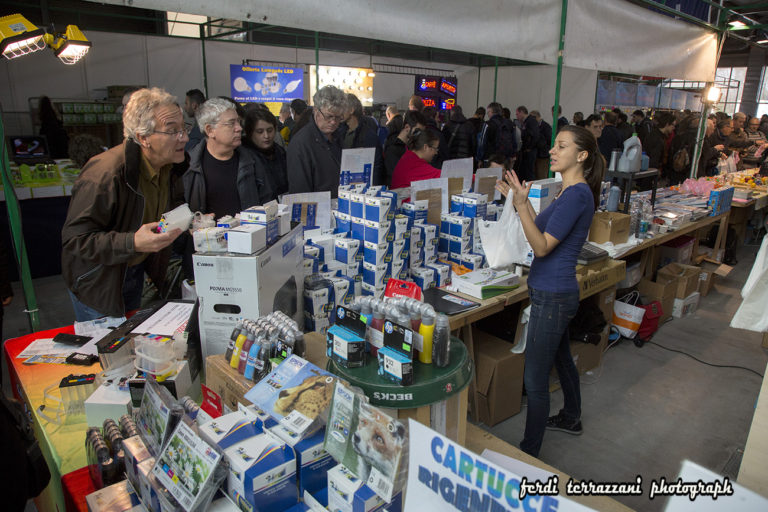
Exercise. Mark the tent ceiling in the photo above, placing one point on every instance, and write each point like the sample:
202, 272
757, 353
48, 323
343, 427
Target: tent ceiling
610, 36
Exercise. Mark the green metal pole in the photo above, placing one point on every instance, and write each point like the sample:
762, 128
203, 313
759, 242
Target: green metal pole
317, 61
20, 249
495, 77
205, 66
558, 80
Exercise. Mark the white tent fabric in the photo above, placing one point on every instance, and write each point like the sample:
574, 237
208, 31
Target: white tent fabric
624, 38
606, 35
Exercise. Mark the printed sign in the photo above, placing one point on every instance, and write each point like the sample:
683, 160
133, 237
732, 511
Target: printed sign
443, 475
265, 83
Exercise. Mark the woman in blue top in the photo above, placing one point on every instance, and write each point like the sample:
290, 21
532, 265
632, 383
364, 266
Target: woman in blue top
556, 236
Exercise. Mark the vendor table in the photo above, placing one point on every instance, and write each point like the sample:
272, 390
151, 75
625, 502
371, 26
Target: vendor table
649, 258
743, 211
62, 445
437, 398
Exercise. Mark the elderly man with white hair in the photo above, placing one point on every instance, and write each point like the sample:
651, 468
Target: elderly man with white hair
314, 154
110, 235
223, 177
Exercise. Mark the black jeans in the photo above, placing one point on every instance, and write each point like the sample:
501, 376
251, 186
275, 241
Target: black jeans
548, 344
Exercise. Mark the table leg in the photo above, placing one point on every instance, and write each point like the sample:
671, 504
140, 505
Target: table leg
765, 340
461, 437
722, 232
470, 343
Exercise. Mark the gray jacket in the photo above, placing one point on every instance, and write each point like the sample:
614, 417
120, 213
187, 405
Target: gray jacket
252, 185
313, 161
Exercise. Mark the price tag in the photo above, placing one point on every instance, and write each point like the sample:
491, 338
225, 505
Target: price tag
381, 486
296, 422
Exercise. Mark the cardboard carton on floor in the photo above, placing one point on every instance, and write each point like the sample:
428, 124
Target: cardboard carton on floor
662, 290
707, 274
499, 379
588, 356
686, 306
609, 227
686, 277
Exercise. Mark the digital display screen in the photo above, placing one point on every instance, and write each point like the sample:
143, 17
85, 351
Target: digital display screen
28, 146
250, 84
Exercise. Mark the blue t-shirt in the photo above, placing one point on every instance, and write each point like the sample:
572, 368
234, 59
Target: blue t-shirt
568, 219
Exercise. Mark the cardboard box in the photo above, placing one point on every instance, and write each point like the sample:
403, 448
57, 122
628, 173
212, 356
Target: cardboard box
247, 239
587, 356
686, 306
499, 379
707, 273
599, 276
224, 380
609, 227
686, 277
662, 290
678, 250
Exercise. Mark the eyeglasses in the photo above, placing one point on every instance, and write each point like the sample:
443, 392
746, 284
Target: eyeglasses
436, 148
330, 118
178, 133
231, 124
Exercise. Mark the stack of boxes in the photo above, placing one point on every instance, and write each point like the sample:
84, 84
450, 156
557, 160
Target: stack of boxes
459, 230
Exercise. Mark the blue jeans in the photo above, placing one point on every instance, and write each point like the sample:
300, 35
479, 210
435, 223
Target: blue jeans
548, 344
133, 286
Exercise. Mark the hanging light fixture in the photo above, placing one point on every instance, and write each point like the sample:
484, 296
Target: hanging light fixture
711, 95
18, 36
69, 47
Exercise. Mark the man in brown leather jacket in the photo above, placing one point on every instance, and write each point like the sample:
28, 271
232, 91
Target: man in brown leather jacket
109, 237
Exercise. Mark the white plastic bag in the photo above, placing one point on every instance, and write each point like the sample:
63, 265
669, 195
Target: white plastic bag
627, 317
504, 241
751, 313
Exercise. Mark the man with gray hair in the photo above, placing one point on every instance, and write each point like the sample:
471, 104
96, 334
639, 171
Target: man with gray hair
738, 138
223, 177
314, 154
110, 236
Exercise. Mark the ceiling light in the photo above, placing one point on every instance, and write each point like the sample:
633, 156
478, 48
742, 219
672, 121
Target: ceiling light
371, 74
737, 24
69, 47
19, 37
763, 41
712, 95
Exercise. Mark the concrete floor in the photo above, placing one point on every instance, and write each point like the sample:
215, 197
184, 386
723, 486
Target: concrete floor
645, 410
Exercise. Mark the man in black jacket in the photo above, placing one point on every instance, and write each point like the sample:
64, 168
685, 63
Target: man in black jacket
397, 139
642, 125
610, 138
530, 132
109, 235
360, 131
460, 135
656, 140
544, 145
430, 113
314, 154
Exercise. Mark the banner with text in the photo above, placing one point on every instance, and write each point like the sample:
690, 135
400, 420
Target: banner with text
260, 84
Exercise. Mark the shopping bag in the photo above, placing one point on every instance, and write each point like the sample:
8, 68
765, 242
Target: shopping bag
626, 316
751, 313
504, 241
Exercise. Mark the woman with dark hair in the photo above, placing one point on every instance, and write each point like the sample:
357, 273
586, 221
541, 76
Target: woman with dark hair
414, 165
260, 130
53, 129
397, 140
556, 236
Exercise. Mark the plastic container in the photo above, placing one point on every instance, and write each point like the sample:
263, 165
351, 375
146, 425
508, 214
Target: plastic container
178, 218
427, 331
441, 343
244, 353
614, 195
155, 355
644, 161
631, 157
236, 332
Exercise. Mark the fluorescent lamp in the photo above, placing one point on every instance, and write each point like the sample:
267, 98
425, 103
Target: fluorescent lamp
763, 41
19, 37
736, 24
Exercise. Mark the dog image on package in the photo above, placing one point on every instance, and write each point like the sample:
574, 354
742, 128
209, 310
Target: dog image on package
379, 442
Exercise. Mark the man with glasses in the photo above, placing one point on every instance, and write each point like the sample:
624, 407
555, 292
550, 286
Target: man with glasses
314, 154
110, 237
757, 141
223, 176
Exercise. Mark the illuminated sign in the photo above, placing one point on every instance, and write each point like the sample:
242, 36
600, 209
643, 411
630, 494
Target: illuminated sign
429, 102
428, 84
265, 83
448, 88
447, 104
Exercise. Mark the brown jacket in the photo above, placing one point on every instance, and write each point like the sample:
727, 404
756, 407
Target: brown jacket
105, 211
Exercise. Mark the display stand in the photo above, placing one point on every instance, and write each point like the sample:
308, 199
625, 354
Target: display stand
437, 398
626, 179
